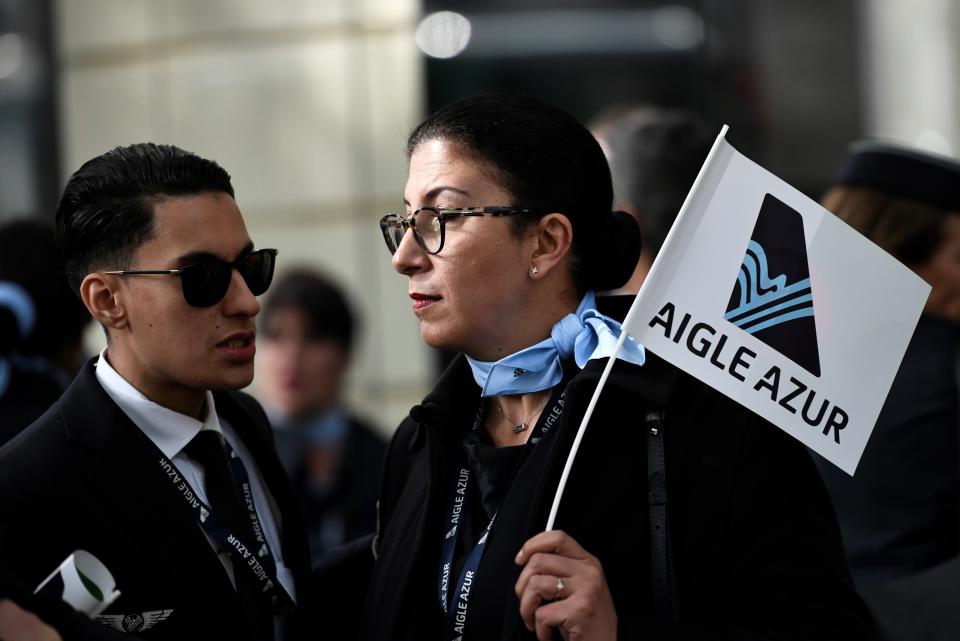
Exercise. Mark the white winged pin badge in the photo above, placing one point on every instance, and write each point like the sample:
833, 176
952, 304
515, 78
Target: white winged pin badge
137, 622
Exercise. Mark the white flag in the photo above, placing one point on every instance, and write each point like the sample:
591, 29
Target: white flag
767, 297
770, 299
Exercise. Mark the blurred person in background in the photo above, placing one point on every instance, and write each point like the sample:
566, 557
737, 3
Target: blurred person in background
41, 325
900, 512
334, 458
655, 154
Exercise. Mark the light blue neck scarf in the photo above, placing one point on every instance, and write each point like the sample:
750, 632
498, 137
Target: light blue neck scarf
586, 334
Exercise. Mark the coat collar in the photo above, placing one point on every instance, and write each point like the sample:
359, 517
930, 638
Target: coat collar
126, 475
124, 471
453, 399
85, 398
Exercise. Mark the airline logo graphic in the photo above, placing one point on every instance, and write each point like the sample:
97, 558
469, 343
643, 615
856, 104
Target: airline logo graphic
136, 622
777, 309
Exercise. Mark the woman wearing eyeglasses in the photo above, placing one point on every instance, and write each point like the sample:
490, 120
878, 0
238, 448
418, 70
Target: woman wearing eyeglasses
507, 236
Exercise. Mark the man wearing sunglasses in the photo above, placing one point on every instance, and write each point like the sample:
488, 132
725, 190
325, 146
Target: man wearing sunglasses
150, 460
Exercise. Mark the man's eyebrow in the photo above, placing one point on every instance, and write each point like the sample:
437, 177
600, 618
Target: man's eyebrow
436, 191
197, 256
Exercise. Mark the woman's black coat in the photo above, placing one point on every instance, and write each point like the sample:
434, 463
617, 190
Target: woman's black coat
756, 547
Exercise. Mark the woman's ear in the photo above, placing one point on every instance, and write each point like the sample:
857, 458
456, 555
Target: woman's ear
99, 294
554, 237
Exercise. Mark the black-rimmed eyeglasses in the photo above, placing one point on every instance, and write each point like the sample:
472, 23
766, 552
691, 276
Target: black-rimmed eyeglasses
429, 224
206, 283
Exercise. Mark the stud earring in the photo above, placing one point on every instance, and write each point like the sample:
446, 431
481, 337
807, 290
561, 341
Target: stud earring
534, 270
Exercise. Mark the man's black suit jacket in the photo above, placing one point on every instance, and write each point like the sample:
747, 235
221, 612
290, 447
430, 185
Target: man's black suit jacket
83, 476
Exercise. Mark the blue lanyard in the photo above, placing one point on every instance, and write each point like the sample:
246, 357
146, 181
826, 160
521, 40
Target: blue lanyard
258, 563
456, 611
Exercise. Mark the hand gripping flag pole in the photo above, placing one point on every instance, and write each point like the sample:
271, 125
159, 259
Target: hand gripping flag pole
572, 455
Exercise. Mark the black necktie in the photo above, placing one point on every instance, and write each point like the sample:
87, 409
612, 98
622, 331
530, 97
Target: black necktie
207, 449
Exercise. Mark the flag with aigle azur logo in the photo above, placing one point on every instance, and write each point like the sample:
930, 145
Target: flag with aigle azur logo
767, 297
770, 299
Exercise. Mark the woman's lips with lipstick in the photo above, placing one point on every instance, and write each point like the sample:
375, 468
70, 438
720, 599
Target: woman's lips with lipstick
420, 301
239, 347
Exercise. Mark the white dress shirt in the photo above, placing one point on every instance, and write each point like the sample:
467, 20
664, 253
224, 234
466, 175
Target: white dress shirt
170, 431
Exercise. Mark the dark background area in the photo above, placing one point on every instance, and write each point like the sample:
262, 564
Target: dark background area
793, 114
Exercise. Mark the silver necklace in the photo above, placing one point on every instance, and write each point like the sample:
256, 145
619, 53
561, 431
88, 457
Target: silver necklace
522, 425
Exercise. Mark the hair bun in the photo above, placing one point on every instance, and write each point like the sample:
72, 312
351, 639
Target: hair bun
614, 253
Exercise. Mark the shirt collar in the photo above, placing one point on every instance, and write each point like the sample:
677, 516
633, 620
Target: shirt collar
170, 431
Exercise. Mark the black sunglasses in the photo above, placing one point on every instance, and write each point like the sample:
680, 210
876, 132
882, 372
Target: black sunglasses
429, 225
206, 283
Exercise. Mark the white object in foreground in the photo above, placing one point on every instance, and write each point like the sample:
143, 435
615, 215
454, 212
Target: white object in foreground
83, 582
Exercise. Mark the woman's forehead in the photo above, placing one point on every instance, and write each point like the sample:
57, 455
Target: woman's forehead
439, 167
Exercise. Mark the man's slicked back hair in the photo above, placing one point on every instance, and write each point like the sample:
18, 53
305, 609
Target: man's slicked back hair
106, 211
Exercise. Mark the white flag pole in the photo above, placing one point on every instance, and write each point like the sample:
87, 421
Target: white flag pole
572, 455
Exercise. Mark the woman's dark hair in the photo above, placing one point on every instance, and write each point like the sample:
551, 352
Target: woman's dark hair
898, 197
909, 230
106, 211
549, 162
324, 305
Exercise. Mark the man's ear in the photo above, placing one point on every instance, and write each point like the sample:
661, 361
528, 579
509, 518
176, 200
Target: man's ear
100, 294
554, 237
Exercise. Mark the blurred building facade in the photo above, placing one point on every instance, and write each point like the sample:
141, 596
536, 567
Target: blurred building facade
29, 131
306, 104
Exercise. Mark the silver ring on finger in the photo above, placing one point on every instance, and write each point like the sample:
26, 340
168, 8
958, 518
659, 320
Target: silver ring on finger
560, 586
